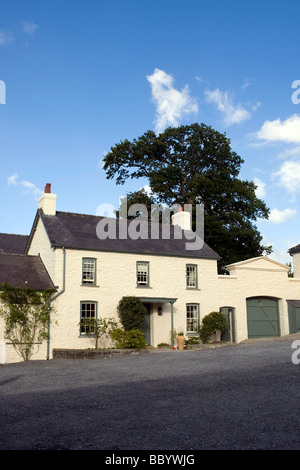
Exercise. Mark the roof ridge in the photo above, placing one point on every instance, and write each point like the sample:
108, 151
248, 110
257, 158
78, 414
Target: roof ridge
19, 254
13, 234
77, 213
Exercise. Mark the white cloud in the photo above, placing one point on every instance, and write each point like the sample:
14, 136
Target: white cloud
27, 185
171, 104
12, 180
280, 249
31, 188
6, 37
255, 106
293, 152
277, 131
289, 176
29, 27
233, 113
277, 217
261, 188
246, 83
147, 190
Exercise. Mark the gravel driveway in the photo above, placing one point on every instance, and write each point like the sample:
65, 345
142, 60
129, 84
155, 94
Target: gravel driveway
236, 397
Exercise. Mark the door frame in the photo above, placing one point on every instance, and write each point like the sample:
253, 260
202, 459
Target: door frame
146, 326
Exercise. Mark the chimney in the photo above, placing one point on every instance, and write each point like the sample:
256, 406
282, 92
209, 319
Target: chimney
182, 218
47, 201
48, 188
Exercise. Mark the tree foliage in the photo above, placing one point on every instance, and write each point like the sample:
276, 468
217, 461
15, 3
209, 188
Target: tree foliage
131, 313
213, 321
26, 314
195, 164
98, 327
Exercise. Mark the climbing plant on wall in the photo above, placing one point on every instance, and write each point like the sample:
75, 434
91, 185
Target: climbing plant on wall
26, 314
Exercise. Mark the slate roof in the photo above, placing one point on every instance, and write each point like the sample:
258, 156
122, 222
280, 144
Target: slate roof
78, 231
14, 244
294, 249
23, 271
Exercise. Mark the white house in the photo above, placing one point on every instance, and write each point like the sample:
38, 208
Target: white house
179, 286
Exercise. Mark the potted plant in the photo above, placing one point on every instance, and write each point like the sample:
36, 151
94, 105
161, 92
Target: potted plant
180, 340
213, 325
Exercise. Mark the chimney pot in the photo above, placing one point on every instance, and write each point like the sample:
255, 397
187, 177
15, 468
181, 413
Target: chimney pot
48, 188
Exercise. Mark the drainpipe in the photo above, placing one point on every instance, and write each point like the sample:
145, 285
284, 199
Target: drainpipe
55, 297
172, 326
233, 325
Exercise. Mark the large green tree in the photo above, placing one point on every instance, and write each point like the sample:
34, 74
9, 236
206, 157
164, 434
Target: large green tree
195, 164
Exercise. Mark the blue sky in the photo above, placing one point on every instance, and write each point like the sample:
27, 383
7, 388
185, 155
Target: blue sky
80, 76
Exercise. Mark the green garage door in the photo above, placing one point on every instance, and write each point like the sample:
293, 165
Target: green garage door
262, 317
294, 316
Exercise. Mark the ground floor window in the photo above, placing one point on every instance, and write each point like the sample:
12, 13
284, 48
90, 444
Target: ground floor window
192, 318
88, 315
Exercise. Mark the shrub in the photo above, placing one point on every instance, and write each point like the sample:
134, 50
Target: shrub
204, 333
192, 340
131, 313
212, 322
128, 339
215, 321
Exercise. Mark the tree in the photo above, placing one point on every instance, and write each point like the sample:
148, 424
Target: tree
26, 314
195, 164
98, 327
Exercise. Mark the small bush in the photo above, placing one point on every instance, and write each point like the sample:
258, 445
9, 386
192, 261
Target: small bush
128, 339
192, 340
204, 333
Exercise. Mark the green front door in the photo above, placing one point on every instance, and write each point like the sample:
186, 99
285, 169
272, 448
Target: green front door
262, 317
146, 325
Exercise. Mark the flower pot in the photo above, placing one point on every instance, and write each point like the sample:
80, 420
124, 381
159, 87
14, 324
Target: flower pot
216, 336
180, 341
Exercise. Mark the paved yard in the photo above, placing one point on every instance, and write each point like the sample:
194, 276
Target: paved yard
238, 397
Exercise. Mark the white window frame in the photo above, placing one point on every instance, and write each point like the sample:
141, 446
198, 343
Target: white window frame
192, 318
88, 270
191, 279
142, 279
89, 313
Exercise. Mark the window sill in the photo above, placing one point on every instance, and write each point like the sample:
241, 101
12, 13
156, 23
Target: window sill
144, 287
192, 288
88, 285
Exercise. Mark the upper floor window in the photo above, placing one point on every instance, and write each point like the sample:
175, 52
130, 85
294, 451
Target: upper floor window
142, 272
89, 271
191, 276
